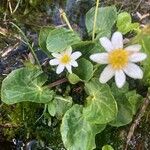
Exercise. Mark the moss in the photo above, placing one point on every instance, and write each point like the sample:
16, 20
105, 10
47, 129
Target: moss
23, 116
113, 136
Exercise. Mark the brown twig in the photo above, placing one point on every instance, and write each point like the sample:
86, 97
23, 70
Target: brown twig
58, 82
137, 120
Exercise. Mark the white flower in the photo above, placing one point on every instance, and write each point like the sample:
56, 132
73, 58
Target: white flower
120, 60
65, 59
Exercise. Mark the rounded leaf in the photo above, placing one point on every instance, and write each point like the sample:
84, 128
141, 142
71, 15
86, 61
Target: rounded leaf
59, 39
128, 102
25, 84
101, 106
106, 18
78, 133
42, 38
84, 70
73, 78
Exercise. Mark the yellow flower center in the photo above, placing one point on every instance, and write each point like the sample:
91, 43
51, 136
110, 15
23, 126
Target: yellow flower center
65, 59
118, 58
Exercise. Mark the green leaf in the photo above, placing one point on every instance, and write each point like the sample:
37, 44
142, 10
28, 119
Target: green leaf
106, 18
87, 48
146, 63
128, 103
101, 106
25, 84
124, 114
43, 37
124, 23
73, 78
52, 108
107, 147
59, 39
143, 38
84, 70
59, 105
104, 33
134, 99
77, 133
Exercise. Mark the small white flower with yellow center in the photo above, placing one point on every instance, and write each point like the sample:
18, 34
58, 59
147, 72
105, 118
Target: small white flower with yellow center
120, 60
65, 59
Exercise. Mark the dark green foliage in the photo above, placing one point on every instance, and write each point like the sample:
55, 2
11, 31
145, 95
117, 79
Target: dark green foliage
26, 125
101, 104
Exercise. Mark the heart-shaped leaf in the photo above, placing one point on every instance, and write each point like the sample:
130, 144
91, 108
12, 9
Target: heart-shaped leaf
106, 18
128, 102
77, 133
59, 39
101, 106
25, 84
43, 37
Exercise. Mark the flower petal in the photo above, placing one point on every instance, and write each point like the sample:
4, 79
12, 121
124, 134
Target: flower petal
133, 48
54, 62
120, 78
117, 40
68, 50
133, 71
105, 42
74, 64
57, 55
68, 67
76, 55
60, 69
137, 57
101, 58
106, 74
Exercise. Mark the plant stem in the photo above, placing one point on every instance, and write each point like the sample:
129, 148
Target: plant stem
27, 42
96, 67
63, 15
10, 8
95, 20
16, 6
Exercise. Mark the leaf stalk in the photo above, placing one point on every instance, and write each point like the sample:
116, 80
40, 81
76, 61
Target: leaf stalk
27, 42
95, 19
63, 15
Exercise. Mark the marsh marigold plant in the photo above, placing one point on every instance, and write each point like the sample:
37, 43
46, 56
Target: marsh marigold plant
65, 59
120, 60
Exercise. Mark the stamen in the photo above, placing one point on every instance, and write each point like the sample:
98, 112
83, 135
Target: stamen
65, 59
118, 58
